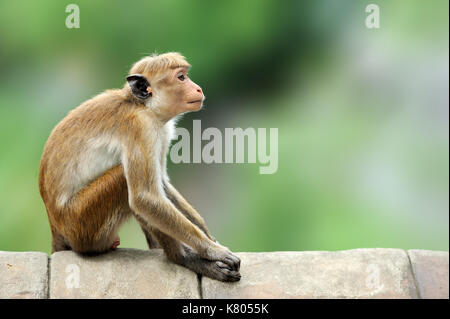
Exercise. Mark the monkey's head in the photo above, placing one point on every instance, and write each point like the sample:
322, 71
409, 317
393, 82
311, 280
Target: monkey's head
162, 83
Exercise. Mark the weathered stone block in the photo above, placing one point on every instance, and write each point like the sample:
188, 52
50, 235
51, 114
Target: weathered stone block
359, 273
124, 273
430, 269
23, 275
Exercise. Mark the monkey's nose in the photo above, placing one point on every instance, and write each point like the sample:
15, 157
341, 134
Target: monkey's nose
198, 88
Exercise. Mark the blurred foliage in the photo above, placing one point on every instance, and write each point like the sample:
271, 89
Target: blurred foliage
362, 114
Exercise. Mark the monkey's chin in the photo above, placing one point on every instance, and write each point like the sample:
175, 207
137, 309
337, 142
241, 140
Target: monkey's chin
195, 106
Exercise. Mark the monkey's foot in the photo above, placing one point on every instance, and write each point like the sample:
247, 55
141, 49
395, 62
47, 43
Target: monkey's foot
220, 271
223, 255
116, 243
211, 268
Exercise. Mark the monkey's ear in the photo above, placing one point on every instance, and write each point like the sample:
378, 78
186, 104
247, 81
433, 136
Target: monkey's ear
139, 86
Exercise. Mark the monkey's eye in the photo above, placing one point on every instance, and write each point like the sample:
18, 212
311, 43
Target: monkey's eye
181, 77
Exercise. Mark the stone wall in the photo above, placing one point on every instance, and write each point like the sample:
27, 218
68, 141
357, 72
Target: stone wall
130, 273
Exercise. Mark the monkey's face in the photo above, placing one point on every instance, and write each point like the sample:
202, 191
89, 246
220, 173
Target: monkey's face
177, 93
170, 92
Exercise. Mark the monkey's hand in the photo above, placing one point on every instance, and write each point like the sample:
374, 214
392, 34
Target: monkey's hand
213, 269
217, 252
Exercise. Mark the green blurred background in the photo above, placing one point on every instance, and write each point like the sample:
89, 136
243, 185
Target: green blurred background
362, 113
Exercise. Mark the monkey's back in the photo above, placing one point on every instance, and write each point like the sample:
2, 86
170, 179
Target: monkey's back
83, 146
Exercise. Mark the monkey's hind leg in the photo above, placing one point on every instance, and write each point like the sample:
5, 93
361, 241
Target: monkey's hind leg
58, 242
96, 212
183, 255
151, 241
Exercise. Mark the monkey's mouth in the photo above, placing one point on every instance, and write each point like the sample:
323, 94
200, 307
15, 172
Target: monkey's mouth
196, 101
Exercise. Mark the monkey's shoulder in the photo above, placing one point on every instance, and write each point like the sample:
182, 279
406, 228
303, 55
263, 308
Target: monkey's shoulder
103, 111
108, 102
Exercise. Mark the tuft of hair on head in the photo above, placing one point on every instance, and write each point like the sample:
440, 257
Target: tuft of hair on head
153, 64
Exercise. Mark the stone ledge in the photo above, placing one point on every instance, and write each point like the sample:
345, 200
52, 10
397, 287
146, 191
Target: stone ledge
23, 275
130, 273
360, 273
430, 270
124, 273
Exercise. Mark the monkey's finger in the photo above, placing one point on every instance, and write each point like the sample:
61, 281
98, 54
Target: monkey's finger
223, 274
230, 275
222, 265
233, 261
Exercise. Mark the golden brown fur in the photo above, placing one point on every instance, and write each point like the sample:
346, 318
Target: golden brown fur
106, 161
